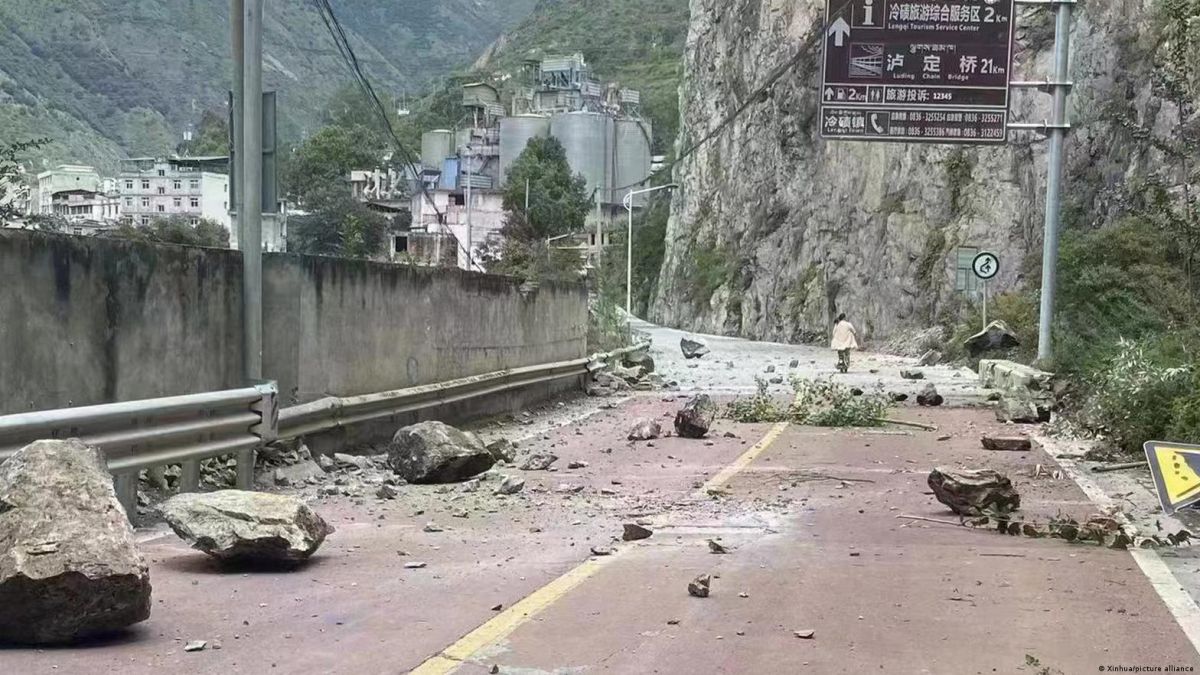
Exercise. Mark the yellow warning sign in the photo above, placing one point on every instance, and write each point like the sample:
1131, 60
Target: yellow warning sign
1176, 471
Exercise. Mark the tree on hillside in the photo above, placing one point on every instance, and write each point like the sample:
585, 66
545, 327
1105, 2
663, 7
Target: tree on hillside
175, 230
210, 140
558, 199
10, 174
339, 226
326, 159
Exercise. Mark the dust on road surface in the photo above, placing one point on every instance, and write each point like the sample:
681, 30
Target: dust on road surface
810, 517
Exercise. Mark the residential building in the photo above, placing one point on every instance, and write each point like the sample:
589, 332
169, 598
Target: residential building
193, 187
444, 213
77, 194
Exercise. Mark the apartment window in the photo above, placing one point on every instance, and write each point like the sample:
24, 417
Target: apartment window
128, 185
162, 172
178, 202
401, 244
77, 230
965, 280
176, 185
145, 202
162, 190
162, 208
145, 220
194, 222
129, 202
195, 202
194, 184
145, 185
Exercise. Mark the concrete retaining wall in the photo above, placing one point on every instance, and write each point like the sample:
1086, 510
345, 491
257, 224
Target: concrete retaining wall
86, 321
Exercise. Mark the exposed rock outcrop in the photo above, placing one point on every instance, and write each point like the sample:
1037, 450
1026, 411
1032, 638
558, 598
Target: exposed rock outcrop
774, 231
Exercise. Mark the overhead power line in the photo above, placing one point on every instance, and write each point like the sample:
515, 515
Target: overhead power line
334, 26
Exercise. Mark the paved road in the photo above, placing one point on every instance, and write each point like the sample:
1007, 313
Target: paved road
810, 516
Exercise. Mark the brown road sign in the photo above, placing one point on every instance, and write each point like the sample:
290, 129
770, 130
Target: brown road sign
934, 71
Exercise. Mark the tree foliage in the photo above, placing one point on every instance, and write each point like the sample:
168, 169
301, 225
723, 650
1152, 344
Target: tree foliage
211, 138
10, 174
339, 226
326, 159
558, 199
175, 230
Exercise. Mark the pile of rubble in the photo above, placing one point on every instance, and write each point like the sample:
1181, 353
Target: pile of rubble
634, 372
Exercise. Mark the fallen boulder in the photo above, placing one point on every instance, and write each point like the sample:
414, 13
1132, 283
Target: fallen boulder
974, 493
630, 376
696, 418
641, 360
69, 563
1008, 443
912, 375
700, 586
1021, 410
502, 450
635, 532
234, 525
692, 348
929, 397
645, 430
511, 485
299, 474
996, 337
930, 358
433, 452
538, 461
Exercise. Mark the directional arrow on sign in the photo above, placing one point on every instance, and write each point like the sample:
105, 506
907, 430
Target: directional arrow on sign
839, 31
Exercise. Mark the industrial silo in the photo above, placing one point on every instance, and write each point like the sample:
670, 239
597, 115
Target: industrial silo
515, 134
588, 139
632, 161
436, 146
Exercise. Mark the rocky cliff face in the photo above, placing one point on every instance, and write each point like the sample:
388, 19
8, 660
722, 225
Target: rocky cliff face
775, 231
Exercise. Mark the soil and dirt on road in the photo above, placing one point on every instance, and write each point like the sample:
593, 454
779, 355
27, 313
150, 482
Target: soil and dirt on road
761, 548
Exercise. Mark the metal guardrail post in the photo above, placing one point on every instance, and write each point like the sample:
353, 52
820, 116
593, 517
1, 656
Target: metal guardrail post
189, 476
125, 485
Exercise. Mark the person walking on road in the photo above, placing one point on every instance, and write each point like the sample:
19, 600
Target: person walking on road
845, 340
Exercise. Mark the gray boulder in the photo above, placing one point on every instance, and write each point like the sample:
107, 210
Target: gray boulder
502, 450
645, 430
1020, 409
641, 360
234, 525
930, 358
306, 471
538, 461
929, 397
692, 348
696, 418
433, 452
974, 493
996, 337
69, 564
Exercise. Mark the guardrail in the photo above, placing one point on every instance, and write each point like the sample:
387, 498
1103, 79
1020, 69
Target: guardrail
137, 435
334, 413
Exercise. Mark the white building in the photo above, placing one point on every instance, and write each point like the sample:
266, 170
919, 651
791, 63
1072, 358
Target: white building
473, 233
77, 194
193, 187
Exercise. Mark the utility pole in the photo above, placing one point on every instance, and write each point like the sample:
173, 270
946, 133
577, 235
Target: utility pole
470, 229
250, 195
238, 41
1054, 176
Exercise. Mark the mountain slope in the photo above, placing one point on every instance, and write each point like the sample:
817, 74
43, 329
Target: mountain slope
106, 77
638, 43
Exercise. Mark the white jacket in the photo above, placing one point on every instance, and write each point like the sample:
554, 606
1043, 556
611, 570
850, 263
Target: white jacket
844, 336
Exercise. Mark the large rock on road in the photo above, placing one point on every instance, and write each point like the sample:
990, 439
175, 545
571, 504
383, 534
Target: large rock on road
974, 493
239, 526
432, 452
696, 418
69, 564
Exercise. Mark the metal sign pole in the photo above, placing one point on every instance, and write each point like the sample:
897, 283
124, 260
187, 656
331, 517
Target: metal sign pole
1054, 177
985, 304
250, 215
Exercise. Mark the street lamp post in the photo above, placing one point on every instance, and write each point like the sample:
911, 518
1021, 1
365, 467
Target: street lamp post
629, 242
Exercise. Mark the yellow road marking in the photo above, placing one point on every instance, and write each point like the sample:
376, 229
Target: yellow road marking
507, 622
719, 480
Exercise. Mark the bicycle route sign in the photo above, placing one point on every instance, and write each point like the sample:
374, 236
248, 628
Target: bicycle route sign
931, 71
